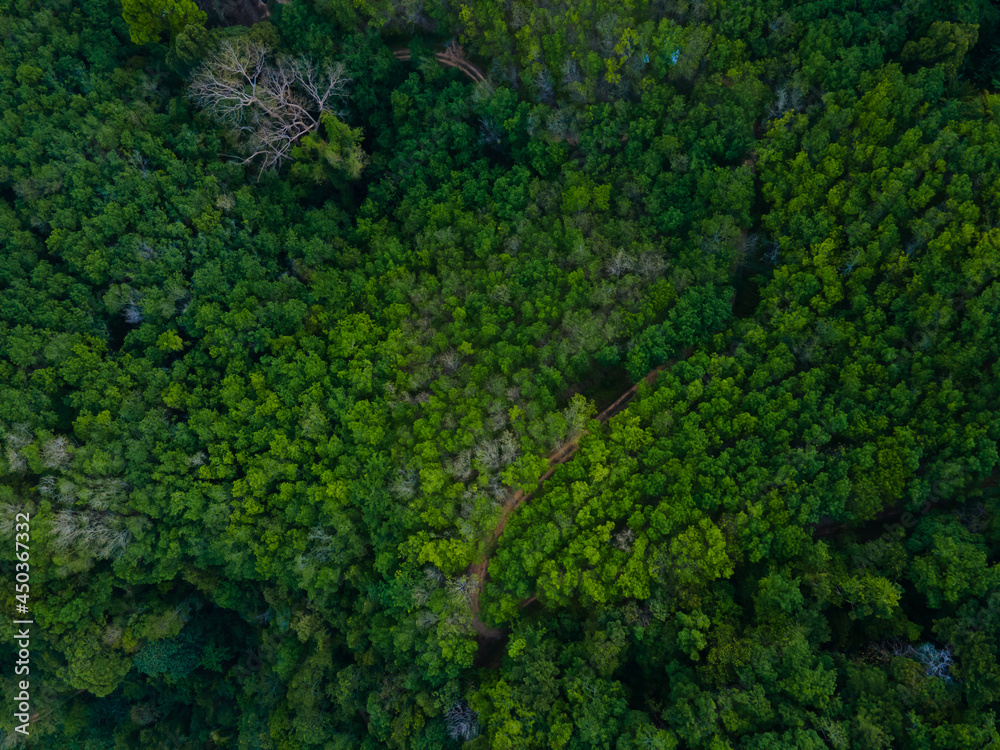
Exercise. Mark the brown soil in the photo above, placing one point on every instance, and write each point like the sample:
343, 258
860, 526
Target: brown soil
559, 456
490, 637
453, 57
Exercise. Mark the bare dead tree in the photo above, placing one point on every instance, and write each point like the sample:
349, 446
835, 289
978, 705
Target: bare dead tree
509, 449
16, 461
90, 533
488, 454
619, 265
460, 466
623, 540
55, 452
462, 589
462, 722
269, 105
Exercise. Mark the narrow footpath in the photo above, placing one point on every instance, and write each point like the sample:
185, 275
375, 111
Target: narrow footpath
559, 456
452, 56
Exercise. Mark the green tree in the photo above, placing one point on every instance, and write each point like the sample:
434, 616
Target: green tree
149, 19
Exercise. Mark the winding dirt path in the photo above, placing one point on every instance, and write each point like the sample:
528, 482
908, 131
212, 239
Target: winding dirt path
559, 456
452, 56
480, 570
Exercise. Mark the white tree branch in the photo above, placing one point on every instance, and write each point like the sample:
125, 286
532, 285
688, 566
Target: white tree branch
267, 106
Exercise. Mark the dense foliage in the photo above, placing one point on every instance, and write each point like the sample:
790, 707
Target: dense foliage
283, 425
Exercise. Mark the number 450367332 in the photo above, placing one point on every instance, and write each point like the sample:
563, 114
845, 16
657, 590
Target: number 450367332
22, 534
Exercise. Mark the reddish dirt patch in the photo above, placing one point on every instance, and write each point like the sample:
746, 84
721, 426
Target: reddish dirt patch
452, 56
559, 456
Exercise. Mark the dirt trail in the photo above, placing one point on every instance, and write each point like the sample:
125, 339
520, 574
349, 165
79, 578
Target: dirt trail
480, 571
452, 56
559, 456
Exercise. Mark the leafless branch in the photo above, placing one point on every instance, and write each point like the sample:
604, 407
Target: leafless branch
267, 105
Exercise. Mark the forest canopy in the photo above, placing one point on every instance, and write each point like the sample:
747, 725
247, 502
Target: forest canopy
499, 375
